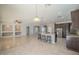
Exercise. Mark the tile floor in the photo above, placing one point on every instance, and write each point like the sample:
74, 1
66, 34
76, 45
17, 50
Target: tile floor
33, 46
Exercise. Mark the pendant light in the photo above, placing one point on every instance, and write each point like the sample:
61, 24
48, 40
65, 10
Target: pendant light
36, 19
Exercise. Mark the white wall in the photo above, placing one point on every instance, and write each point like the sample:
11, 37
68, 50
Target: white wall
0, 18
27, 13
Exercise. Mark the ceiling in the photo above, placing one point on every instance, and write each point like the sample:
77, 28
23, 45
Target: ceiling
47, 12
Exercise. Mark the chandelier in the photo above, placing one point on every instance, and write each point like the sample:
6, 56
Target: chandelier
36, 18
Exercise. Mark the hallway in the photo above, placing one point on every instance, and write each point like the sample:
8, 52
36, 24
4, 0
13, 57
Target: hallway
32, 46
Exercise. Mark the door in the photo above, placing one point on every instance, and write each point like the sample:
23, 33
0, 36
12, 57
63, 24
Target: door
36, 30
59, 32
27, 30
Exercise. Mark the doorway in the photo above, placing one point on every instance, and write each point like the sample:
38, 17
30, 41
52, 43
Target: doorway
36, 30
59, 32
27, 30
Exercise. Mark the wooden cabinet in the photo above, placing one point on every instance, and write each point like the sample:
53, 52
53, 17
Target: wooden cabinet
72, 42
75, 19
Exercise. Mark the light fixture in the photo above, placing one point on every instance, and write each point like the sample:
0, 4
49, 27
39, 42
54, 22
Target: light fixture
48, 5
36, 18
18, 21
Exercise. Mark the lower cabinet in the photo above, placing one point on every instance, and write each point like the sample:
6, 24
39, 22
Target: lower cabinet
72, 42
